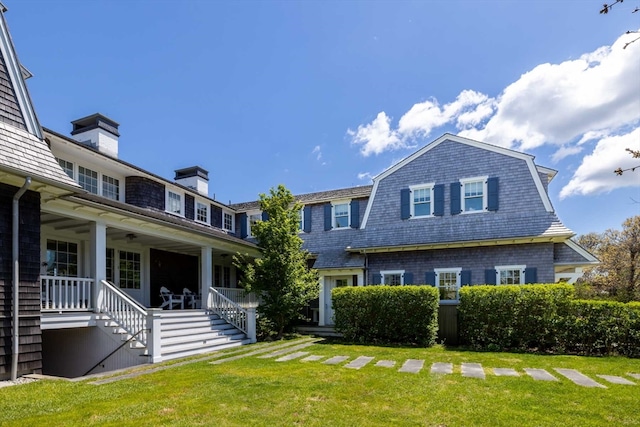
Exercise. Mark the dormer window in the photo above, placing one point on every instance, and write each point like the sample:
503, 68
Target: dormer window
174, 203
421, 200
88, 179
202, 212
110, 188
474, 195
227, 221
67, 167
341, 215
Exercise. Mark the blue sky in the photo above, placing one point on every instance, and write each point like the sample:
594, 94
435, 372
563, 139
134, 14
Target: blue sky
323, 95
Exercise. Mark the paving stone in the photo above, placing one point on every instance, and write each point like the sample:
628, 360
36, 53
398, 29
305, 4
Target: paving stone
291, 356
286, 350
312, 358
616, 380
636, 376
578, 378
335, 360
386, 363
540, 374
442, 368
413, 366
359, 362
505, 372
472, 370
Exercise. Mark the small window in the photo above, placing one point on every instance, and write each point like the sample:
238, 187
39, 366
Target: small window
474, 194
110, 188
510, 274
392, 278
88, 179
421, 201
448, 283
252, 221
67, 167
301, 220
202, 212
227, 221
130, 271
341, 215
174, 203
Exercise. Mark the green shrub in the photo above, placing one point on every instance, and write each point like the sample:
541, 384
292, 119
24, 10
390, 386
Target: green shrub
387, 314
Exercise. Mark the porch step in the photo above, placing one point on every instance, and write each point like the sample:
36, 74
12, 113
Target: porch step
232, 333
202, 350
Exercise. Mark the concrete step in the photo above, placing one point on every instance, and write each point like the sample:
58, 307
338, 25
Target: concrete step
183, 339
190, 323
220, 329
203, 349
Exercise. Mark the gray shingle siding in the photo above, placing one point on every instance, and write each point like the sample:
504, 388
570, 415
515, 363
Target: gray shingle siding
564, 254
144, 193
189, 206
9, 108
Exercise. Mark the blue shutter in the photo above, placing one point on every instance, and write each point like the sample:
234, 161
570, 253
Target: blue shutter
243, 225
327, 217
375, 279
265, 216
306, 227
438, 200
490, 277
456, 205
465, 277
492, 194
430, 278
408, 278
355, 214
531, 275
405, 203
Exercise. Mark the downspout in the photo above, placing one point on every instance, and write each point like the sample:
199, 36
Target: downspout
16, 277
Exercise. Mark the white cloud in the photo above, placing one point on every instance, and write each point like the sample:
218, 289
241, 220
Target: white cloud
377, 137
565, 151
362, 176
318, 153
595, 173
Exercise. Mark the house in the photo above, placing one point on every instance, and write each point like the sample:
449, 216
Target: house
456, 212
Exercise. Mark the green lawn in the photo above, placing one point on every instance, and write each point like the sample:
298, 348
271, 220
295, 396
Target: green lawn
252, 391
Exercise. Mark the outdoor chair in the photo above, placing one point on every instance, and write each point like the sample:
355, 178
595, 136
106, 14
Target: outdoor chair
170, 300
191, 298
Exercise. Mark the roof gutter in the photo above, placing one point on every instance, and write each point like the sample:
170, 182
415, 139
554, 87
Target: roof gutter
16, 277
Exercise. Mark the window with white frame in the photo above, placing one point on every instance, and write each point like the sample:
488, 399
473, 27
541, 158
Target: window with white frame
174, 203
474, 194
448, 283
341, 215
129, 270
227, 221
392, 277
202, 212
252, 221
110, 188
510, 274
88, 179
301, 220
67, 167
421, 200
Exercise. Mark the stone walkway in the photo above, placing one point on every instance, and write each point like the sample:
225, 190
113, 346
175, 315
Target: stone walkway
468, 370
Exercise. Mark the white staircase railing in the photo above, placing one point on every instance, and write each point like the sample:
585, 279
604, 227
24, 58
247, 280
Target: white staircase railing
66, 293
243, 319
123, 310
238, 295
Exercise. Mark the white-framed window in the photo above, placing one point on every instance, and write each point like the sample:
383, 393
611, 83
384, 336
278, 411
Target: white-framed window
392, 277
66, 166
129, 270
202, 212
252, 219
227, 221
510, 274
341, 213
88, 179
110, 188
474, 194
448, 283
421, 200
174, 203
301, 220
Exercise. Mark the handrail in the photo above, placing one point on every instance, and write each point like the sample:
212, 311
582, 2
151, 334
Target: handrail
124, 310
240, 296
227, 309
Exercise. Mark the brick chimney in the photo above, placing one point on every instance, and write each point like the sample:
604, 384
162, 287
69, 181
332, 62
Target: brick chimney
194, 177
99, 132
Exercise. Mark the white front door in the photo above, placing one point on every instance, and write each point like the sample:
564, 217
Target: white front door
330, 283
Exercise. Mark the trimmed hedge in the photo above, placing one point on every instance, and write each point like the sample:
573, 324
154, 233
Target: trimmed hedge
387, 314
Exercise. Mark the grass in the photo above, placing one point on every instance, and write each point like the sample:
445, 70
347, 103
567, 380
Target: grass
254, 391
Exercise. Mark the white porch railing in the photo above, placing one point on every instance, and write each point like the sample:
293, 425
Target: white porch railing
123, 310
243, 319
66, 293
237, 295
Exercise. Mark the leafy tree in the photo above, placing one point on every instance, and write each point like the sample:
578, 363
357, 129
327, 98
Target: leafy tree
618, 274
280, 277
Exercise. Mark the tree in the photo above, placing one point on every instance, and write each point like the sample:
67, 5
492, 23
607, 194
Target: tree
280, 276
618, 274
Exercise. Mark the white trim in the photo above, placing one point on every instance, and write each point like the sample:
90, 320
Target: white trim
390, 273
369, 204
333, 214
485, 191
581, 251
301, 215
511, 267
536, 179
458, 272
166, 202
233, 221
551, 173
430, 186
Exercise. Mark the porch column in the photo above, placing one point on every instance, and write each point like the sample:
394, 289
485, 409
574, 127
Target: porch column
321, 303
98, 249
206, 274
361, 278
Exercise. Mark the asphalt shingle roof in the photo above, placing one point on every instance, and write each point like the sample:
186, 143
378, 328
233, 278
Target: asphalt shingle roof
313, 198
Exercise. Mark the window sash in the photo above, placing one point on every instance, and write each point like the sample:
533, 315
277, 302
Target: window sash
341, 215
511, 277
473, 196
62, 258
202, 212
67, 167
129, 271
110, 187
174, 203
227, 222
88, 179
253, 219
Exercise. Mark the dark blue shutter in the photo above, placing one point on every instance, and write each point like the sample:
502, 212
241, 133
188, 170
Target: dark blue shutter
265, 216
465, 277
375, 279
438, 200
243, 225
327, 217
306, 227
490, 277
492, 194
430, 278
405, 203
531, 275
355, 214
408, 278
456, 206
